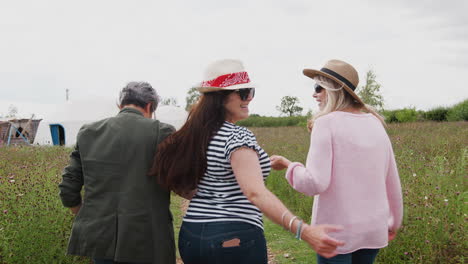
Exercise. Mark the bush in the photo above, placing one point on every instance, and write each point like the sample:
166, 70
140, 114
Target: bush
389, 116
406, 115
269, 121
438, 114
401, 115
458, 112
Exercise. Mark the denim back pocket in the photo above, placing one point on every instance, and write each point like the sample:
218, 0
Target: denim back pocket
250, 246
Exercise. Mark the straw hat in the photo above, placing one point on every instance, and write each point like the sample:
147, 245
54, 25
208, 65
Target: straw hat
224, 74
340, 72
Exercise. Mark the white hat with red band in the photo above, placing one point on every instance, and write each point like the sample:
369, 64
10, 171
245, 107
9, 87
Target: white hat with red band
224, 74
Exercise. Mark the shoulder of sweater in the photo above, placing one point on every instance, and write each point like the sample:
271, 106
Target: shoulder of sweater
326, 118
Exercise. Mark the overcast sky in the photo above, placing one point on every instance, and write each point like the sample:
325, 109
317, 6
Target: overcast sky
418, 49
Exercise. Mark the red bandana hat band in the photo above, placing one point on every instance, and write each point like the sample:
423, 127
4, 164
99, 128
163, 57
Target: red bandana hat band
227, 80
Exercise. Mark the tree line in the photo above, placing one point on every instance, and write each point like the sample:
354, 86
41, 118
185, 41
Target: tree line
369, 93
290, 105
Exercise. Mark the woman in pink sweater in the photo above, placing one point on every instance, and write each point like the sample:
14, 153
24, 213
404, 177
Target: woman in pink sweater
350, 168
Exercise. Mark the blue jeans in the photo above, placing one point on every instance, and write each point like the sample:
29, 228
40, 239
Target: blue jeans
109, 261
361, 256
222, 242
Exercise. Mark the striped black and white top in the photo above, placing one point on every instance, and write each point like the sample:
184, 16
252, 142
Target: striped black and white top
219, 197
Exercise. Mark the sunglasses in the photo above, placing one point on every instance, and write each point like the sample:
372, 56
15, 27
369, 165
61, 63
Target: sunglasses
318, 88
245, 93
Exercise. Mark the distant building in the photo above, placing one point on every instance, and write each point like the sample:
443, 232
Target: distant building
61, 127
18, 131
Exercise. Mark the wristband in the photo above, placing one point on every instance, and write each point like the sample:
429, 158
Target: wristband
298, 231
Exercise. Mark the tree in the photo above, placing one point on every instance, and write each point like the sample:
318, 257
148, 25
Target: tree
370, 93
12, 111
169, 101
191, 98
289, 106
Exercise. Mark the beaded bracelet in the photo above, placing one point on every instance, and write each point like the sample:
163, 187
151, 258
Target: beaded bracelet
291, 221
298, 231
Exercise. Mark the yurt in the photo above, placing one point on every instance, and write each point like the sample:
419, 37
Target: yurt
61, 127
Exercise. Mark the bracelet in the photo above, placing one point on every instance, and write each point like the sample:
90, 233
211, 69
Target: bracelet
302, 230
291, 221
282, 218
298, 231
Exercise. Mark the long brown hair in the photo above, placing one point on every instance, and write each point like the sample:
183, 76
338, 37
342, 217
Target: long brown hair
180, 160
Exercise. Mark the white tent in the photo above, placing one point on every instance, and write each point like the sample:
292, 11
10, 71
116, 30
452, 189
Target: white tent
61, 127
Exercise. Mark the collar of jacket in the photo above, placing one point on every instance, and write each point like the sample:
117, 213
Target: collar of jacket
130, 110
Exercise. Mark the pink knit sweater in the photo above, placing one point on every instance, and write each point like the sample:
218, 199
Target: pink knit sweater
351, 170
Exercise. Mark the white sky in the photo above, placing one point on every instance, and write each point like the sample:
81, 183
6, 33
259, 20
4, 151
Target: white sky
418, 49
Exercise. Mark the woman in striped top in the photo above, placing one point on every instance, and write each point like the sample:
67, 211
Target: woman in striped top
221, 168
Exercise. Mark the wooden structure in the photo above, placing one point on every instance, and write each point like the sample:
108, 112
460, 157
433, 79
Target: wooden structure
18, 131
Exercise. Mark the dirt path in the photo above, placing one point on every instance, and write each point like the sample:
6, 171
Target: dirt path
183, 208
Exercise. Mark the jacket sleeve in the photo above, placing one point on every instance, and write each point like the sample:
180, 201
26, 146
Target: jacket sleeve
315, 177
72, 181
394, 196
164, 131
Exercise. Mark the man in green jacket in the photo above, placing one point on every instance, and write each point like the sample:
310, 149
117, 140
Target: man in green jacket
124, 215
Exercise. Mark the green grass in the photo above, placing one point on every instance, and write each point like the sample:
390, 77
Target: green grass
432, 161
269, 121
282, 243
34, 226
176, 205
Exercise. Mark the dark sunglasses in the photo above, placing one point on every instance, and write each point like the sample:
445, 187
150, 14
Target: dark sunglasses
318, 88
245, 93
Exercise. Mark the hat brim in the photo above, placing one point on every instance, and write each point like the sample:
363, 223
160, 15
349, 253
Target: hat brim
232, 87
312, 73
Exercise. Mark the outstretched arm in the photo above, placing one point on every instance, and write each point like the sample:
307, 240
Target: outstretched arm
314, 178
245, 164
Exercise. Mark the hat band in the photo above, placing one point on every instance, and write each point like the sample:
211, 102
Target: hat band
226, 80
339, 77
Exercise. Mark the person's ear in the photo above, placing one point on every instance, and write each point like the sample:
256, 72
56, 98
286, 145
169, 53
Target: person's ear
147, 109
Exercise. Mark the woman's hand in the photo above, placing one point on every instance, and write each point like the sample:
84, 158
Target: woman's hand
391, 235
317, 237
279, 162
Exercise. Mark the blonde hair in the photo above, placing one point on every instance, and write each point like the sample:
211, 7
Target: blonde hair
338, 99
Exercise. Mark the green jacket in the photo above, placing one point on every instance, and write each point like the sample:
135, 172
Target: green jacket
124, 214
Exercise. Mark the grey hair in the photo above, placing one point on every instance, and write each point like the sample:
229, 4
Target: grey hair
139, 94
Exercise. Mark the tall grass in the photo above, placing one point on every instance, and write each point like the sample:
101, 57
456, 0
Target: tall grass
432, 161
269, 121
34, 226
431, 156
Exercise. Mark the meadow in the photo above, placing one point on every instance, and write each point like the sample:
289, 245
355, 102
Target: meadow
432, 160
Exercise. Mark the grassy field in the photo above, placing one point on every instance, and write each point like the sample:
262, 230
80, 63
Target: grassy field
432, 161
